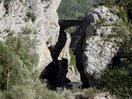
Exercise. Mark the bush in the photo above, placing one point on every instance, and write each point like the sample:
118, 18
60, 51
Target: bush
35, 91
90, 91
8, 64
16, 62
19, 92
117, 81
123, 39
107, 2
17, 78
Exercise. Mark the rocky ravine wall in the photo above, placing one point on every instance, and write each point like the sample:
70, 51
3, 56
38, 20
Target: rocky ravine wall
40, 16
96, 49
93, 54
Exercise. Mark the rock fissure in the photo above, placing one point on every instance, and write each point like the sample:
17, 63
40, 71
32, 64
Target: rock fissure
53, 58
91, 58
56, 72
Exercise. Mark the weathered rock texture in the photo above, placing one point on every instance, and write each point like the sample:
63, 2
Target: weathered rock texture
97, 48
55, 72
65, 51
39, 16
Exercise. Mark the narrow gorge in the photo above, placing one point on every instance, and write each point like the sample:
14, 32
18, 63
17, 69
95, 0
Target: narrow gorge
93, 54
52, 42
48, 47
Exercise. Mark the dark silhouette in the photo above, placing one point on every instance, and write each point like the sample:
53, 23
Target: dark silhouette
55, 72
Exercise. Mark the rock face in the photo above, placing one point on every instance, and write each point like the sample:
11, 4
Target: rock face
97, 48
65, 51
39, 16
38, 20
55, 72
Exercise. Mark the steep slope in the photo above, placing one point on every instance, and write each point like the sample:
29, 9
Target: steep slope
74, 9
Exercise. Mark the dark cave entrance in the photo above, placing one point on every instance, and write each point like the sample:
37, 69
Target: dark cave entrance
56, 72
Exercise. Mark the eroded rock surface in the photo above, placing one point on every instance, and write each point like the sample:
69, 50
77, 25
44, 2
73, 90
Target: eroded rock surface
39, 16
97, 48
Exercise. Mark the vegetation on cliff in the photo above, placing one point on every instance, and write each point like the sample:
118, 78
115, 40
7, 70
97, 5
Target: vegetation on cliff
117, 79
18, 80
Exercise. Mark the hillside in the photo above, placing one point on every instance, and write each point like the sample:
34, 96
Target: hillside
74, 9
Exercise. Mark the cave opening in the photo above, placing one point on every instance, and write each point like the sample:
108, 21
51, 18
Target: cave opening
66, 65
65, 70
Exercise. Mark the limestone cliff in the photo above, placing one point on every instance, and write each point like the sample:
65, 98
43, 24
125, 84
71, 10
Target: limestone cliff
96, 48
36, 18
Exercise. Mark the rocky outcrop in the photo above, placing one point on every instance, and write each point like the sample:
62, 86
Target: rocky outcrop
55, 72
65, 51
39, 17
97, 48
38, 20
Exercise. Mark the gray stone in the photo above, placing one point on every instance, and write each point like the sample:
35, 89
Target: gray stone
44, 26
98, 49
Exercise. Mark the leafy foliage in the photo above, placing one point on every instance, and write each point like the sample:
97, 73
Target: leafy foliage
90, 91
17, 77
107, 2
122, 4
124, 32
16, 62
117, 81
34, 91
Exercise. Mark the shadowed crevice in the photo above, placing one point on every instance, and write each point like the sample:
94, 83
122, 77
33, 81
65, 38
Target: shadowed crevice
55, 72
51, 72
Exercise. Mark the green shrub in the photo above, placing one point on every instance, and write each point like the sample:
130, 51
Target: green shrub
107, 2
122, 14
117, 81
90, 91
123, 39
16, 62
67, 94
8, 63
17, 78
34, 91
19, 92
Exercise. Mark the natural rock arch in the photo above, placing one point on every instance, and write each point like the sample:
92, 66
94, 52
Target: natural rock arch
53, 72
